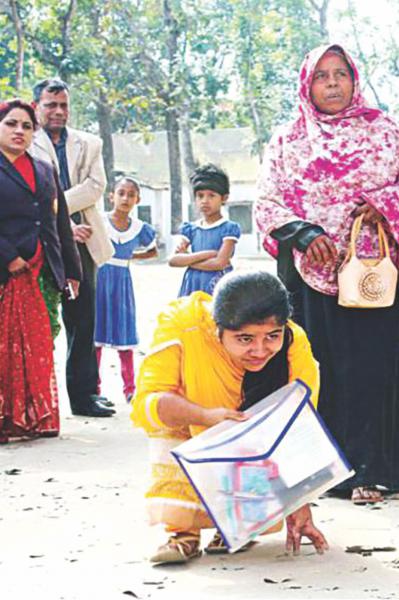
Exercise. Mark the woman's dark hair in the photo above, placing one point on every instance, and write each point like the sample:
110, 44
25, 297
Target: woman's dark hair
129, 180
9, 105
249, 298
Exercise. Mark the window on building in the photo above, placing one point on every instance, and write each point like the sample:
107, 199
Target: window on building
242, 214
144, 213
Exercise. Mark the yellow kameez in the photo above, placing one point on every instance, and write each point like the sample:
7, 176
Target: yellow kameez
187, 357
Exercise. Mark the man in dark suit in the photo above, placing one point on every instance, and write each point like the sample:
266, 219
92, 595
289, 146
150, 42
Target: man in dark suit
77, 158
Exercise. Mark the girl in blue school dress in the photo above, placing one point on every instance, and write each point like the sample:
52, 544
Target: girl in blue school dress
115, 305
212, 239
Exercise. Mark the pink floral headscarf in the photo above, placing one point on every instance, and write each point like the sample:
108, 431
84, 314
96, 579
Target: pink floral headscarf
320, 167
358, 104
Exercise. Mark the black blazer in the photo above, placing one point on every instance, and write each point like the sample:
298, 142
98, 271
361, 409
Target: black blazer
26, 217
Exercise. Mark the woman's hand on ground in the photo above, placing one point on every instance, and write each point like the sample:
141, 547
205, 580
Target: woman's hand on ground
213, 416
18, 266
322, 250
300, 523
370, 214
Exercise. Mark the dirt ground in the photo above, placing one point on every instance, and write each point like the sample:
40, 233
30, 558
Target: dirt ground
72, 519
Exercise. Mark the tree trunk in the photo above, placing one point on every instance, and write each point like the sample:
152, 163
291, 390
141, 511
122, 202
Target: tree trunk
172, 131
322, 11
190, 163
256, 119
66, 20
19, 32
187, 145
105, 127
323, 19
172, 121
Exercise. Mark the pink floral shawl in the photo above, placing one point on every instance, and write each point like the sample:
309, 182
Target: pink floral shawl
320, 167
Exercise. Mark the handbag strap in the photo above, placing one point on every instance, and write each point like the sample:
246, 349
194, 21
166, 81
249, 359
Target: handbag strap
382, 238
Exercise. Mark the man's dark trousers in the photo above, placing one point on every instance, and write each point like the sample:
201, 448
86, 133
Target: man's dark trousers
79, 318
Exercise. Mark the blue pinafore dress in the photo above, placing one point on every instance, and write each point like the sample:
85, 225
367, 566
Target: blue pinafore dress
202, 236
115, 304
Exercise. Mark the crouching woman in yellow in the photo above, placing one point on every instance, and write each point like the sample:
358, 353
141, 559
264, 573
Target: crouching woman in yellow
210, 359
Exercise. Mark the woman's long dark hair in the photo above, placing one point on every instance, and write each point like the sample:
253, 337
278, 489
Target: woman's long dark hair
259, 384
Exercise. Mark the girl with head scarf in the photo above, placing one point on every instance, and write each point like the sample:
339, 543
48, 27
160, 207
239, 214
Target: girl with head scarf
212, 239
337, 160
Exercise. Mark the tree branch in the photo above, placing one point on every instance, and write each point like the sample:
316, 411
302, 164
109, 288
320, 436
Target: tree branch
66, 28
322, 14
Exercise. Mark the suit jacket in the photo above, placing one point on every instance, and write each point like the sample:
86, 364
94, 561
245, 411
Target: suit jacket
26, 217
87, 176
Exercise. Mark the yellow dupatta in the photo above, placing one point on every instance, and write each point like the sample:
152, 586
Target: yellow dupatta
187, 357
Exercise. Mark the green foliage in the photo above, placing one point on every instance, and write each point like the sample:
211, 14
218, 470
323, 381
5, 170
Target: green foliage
269, 47
235, 61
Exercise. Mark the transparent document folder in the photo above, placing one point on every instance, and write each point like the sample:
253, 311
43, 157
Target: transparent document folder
251, 474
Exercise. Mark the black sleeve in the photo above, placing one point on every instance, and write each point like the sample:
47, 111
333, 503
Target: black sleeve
297, 234
70, 253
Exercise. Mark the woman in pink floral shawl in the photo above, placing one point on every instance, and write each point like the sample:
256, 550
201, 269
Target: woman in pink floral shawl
338, 159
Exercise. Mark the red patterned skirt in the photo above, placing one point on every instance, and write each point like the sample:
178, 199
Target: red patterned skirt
28, 390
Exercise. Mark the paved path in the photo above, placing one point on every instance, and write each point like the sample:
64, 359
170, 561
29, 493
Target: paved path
72, 521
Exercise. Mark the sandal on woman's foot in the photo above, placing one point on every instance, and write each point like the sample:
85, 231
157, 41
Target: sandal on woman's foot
180, 548
217, 545
366, 495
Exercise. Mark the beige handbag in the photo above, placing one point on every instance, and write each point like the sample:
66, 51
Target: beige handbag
367, 282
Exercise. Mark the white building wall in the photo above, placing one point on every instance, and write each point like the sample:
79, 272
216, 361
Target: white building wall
249, 243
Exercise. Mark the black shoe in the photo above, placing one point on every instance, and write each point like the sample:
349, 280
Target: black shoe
106, 403
102, 400
93, 409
